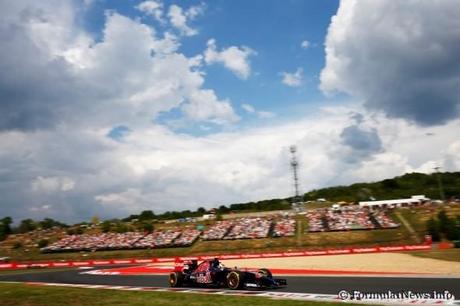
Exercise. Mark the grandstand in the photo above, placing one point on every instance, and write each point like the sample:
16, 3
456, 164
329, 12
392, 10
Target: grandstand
217, 231
249, 228
284, 228
319, 220
347, 218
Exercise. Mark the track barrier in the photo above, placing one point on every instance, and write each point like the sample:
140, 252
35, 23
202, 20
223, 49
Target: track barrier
102, 262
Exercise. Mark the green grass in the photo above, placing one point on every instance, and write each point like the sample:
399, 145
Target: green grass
25, 295
449, 254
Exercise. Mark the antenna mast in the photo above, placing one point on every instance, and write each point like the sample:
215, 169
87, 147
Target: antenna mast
295, 165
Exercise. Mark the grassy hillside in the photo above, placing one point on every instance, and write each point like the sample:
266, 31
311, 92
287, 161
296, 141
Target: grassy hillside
398, 187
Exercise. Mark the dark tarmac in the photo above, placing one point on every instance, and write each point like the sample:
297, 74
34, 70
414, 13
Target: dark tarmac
305, 284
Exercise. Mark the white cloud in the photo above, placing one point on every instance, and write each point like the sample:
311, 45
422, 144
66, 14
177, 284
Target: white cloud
45, 208
130, 83
265, 114
156, 169
179, 18
452, 157
236, 59
294, 79
152, 8
397, 56
129, 198
248, 107
52, 184
261, 114
305, 44
204, 106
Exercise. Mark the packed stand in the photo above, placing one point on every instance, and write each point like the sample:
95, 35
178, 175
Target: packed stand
217, 231
187, 238
65, 244
158, 239
384, 220
347, 218
284, 228
315, 221
106, 241
249, 228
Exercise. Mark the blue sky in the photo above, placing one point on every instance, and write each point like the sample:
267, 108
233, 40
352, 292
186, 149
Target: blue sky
108, 108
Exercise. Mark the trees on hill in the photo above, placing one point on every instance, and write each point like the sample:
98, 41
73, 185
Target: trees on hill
5, 227
444, 226
399, 187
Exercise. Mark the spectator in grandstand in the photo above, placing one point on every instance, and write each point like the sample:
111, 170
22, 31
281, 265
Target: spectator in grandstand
284, 228
217, 231
249, 228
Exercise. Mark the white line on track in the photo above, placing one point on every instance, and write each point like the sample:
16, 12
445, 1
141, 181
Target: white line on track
267, 294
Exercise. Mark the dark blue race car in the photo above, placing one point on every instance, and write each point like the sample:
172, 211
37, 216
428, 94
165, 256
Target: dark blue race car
213, 274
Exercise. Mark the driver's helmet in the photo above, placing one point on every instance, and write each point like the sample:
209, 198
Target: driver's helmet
215, 263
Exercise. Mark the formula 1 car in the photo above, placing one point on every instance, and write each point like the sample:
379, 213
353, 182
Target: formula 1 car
212, 273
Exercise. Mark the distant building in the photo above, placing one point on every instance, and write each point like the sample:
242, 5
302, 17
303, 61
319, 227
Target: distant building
208, 217
413, 200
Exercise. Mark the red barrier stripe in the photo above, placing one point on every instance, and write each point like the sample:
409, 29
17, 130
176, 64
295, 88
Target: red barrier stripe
15, 265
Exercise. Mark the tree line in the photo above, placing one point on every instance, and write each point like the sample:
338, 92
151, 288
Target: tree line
398, 187
444, 227
26, 225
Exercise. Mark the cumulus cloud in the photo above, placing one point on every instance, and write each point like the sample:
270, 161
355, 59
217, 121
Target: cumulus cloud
204, 106
293, 79
154, 168
65, 71
397, 56
179, 18
152, 8
236, 59
362, 143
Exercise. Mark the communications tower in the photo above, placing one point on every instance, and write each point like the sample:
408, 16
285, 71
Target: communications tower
295, 165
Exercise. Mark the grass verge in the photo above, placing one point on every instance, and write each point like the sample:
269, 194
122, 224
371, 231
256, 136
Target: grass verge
25, 295
448, 255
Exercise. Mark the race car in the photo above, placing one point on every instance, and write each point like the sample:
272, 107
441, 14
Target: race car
213, 273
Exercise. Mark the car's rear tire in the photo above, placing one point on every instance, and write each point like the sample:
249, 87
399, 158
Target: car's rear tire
234, 280
266, 272
176, 279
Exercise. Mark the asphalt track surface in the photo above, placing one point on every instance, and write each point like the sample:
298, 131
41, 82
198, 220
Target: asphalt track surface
305, 284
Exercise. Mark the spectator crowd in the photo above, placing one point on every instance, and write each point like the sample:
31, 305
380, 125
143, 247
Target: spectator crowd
347, 218
249, 228
187, 238
284, 228
217, 231
87, 242
241, 228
